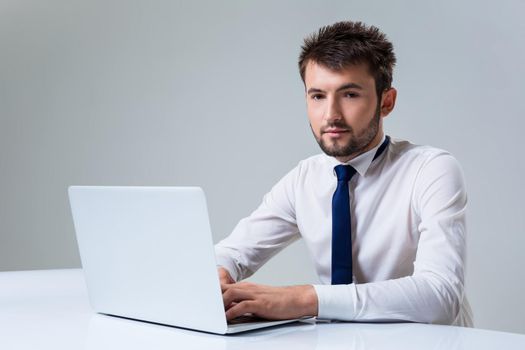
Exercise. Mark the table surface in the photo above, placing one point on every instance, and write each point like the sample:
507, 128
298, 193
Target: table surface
49, 309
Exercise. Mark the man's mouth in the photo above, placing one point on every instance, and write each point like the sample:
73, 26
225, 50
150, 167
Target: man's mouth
335, 132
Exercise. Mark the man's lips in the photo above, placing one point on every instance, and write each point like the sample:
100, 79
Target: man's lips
335, 132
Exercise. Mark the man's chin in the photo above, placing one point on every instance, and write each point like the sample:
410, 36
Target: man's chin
334, 151
337, 154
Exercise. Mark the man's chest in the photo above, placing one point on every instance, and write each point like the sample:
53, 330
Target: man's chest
384, 224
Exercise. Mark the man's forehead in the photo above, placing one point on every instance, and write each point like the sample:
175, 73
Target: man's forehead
319, 74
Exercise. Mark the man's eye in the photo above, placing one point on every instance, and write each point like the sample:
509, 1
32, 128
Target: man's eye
317, 97
351, 94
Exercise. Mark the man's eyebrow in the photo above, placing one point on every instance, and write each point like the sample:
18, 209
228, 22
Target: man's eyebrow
350, 86
342, 87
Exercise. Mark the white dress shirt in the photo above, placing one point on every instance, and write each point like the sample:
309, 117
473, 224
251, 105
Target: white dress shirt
408, 234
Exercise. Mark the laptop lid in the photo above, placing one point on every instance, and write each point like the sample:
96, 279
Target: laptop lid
147, 254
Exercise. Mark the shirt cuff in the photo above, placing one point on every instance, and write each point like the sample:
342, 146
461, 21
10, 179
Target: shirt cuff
336, 302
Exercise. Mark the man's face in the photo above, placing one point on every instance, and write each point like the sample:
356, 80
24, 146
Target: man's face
343, 109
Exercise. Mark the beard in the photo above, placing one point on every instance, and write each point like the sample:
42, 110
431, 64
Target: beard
356, 144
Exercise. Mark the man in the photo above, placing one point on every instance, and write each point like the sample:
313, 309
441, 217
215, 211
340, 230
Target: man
384, 219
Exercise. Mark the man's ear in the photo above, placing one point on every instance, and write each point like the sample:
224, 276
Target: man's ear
388, 101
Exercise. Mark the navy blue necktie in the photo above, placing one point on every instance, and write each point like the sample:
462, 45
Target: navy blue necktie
342, 224
342, 227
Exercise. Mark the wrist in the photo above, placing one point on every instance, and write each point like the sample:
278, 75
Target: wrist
309, 301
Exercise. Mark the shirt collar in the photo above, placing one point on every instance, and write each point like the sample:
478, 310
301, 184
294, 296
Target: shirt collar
361, 163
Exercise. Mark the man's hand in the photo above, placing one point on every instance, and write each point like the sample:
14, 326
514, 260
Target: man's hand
273, 303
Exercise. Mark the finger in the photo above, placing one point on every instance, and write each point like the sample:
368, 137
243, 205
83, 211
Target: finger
244, 285
225, 280
230, 306
239, 309
224, 286
225, 276
237, 295
227, 285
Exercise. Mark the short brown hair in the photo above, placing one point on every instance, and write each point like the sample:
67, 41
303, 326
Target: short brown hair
348, 43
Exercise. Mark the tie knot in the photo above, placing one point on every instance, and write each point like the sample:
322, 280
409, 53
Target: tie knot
344, 172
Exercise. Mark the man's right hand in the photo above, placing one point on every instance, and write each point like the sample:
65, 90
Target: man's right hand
224, 276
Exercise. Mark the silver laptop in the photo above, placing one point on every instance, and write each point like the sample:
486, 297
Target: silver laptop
147, 254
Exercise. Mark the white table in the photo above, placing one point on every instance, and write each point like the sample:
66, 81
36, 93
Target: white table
49, 309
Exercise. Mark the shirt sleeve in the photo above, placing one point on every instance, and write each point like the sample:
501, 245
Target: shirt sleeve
435, 291
258, 237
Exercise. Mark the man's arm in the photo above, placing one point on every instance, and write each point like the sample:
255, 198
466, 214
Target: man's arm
258, 237
255, 239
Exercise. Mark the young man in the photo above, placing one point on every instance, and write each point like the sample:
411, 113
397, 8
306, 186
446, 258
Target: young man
384, 219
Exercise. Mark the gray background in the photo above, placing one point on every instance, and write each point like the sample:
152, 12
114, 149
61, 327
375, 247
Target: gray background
207, 93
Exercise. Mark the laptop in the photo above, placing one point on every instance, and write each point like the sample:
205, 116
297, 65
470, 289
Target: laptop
147, 254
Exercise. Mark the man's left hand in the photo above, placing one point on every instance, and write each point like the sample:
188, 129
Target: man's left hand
273, 303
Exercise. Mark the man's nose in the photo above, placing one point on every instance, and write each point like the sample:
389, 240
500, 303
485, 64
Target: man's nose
333, 110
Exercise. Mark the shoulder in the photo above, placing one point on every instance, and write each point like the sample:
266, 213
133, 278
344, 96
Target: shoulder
306, 170
303, 168
406, 149
421, 157
314, 161
436, 171
315, 164
426, 166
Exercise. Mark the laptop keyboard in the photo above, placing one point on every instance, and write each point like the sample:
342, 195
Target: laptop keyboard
247, 319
